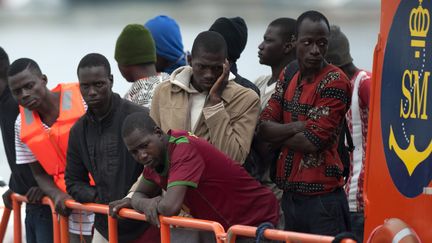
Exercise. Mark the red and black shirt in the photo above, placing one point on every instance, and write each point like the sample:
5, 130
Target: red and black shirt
322, 104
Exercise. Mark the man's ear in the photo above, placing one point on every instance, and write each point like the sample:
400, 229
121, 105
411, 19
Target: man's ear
289, 45
111, 79
44, 79
157, 130
189, 59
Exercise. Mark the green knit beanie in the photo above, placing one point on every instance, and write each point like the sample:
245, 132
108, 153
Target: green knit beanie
135, 45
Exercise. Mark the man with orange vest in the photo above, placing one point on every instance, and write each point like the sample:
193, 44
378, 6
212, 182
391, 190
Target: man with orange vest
42, 134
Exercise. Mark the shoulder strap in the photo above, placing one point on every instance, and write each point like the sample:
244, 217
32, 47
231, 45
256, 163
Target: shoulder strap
289, 72
348, 136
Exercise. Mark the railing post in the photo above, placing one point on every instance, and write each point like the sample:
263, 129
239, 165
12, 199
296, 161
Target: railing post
164, 231
64, 229
55, 217
4, 222
112, 230
16, 206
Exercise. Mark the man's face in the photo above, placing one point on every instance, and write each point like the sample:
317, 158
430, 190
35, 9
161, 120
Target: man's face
273, 47
146, 148
95, 85
206, 68
312, 43
29, 88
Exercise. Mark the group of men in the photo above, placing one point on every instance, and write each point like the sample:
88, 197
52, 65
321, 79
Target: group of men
179, 138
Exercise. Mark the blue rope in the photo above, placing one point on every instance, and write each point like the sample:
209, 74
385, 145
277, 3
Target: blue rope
259, 234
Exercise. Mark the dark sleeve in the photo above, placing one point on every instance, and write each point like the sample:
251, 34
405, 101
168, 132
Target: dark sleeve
77, 175
247, 84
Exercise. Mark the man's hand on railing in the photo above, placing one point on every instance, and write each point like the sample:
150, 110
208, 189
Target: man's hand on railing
59, 202
148, 206
7, 200
115, 206
35, 195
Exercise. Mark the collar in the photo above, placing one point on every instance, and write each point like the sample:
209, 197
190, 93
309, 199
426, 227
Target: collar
181, 77
158, 76
319, 74
115, 103
164, 172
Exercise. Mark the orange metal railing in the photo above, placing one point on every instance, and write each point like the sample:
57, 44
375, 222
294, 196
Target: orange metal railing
89, 207
4, 222
132, 214
190, 223
61, 231
272, 234
16, 206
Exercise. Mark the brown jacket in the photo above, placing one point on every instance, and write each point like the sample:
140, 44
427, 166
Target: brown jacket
230, 129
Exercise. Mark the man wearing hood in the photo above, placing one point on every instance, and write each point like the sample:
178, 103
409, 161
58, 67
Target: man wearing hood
168, 42
234, 31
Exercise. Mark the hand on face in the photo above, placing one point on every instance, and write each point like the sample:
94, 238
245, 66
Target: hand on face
218, 87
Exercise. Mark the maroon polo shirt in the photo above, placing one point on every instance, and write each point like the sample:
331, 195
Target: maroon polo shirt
219, 189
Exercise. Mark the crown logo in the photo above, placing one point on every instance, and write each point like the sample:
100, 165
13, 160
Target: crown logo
419, 21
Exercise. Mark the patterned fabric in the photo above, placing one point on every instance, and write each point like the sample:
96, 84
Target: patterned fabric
141, 91
354, 186
322, 104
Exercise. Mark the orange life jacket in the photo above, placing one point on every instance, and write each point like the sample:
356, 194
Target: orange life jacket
50, 146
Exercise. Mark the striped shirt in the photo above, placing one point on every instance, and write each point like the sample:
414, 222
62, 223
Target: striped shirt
357, 119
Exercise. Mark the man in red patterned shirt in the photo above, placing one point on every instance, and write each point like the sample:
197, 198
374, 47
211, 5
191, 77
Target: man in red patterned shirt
304, 120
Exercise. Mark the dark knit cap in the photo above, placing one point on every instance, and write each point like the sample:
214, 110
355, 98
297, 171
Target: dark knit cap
135, 45
234, 31
338, 52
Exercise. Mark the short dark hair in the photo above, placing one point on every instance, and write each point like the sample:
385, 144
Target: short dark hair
209, 41
94, 60
137, 121
312, 15
22, 64
4, 64
287, 27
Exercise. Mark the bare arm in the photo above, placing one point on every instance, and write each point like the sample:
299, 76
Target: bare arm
141, 188
289, 135
146, 198
172, 201
46, 183
278, 133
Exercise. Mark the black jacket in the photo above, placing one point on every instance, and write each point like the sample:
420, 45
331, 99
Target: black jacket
243, 81
97, 147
